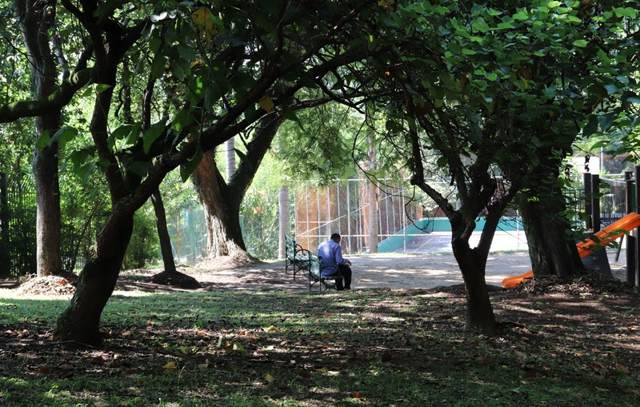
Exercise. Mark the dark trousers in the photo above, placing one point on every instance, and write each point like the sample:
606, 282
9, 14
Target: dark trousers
343, 271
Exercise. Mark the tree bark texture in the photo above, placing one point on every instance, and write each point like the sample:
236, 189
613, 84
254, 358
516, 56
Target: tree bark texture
37, 19
551, 248
472, 262
170, 275
163, 233
221, 209
80, 321
4, 227
222, 200
230, 153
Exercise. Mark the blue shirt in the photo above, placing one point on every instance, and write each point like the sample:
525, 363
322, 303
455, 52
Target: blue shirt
330, 254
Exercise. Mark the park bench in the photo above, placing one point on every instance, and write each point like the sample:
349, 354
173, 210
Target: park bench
298, 258
316, 278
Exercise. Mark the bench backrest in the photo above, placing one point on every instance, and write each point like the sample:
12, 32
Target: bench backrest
290, 246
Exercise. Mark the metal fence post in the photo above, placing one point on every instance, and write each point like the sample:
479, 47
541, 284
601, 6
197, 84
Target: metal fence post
631, 240
587, 200
4, 227
595, 202
637, 240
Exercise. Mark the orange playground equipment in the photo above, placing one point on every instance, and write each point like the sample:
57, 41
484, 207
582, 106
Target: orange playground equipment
600, 239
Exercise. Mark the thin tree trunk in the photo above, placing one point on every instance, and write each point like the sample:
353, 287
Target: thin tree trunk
37, 18
4, 227
170, 275
163, 233
372, 217
80, 321
231, 157
371, 200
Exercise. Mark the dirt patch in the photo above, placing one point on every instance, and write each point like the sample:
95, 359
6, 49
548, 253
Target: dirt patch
50, 285
226, 262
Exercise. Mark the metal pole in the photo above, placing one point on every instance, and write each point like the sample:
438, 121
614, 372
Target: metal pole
637, 248
328, 228
587, 200
631, 240
317, 217
349, 216
283, 206
404, 224
386, 210
4, 227
339, 217
306, 206
393, 213
595, 201
517, 232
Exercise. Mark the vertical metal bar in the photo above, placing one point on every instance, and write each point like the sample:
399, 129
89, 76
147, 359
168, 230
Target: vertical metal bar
393, 213
631, 240
349, 216
283, 206
595, 201
404, 224
328, 228
317, 217
306, 205
637, 248
587, 200
4, 227
386, 211
338, 216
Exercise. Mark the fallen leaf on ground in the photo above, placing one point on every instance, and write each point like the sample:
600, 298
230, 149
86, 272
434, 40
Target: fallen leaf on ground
171, 365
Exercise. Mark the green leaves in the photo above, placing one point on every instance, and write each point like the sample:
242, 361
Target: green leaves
479, 24
61, 137
625, 12
521, 15
187, 168
102, 87
580, 43
151, 135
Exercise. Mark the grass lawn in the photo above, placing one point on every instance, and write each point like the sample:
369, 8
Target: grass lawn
573, 347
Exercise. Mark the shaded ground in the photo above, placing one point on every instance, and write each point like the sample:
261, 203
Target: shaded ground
254, 337
388, 270
562, 347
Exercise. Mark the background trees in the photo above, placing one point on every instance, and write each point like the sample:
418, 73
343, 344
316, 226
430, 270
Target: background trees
497, 92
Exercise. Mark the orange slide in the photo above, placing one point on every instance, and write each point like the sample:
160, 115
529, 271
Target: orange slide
602, 238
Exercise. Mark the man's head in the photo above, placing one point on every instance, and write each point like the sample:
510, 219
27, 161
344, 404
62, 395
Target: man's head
335, 237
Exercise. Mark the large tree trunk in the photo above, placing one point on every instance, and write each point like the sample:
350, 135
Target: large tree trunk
81, 320
37, 19
551, 248
472, 262
48, 216
221, 200
222, 211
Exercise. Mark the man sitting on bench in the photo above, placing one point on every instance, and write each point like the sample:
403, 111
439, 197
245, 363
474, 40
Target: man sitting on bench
332, 264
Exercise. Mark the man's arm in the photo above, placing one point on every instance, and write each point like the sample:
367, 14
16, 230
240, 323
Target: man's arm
339, 258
